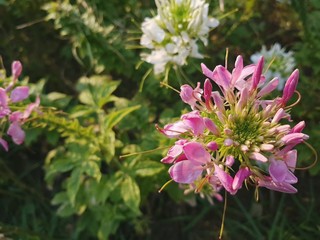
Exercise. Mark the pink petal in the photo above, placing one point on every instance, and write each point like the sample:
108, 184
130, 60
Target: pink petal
16, 133
278, 170
224, 77
258, 156
238, 66
256, 76
229, 160
225, 179
213, 146
174, 152
19, 94
240, 176
266, 147
298, 128
211, 126
194, 121
291, 159
290, 86
279, 115
276, 186
174, 129
218, 101
185, 172
187, 96
31, 107
15, 116
206, 71
243, 99
196, 153
294, 138
16, 69
4, 144
272, 85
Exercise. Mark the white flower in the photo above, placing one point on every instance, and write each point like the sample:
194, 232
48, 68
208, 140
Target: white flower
282, 64
151, 33
173, 33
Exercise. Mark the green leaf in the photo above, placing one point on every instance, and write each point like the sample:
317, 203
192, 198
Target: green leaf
92, 169
86, 97
73, 185
130, 193
115, 117
148, 168
59, 166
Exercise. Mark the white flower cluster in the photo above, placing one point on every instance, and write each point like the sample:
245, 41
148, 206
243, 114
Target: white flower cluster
173, 33
282, 64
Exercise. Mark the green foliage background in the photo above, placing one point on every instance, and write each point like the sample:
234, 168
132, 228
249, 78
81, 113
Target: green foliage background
81, 56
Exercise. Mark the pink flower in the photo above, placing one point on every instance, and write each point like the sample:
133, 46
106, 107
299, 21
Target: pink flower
236, 127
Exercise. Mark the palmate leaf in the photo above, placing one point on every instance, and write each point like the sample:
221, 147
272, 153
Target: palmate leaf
115, 117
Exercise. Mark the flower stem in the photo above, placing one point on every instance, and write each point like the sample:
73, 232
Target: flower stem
223, 215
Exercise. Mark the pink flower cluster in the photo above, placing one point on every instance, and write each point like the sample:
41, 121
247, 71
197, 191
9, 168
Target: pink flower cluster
235, 135
10, 97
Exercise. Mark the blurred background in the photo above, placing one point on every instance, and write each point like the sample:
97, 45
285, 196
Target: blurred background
83, 58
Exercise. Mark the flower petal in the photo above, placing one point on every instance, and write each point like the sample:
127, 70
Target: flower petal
185, 171
16, 132
196, 153
19, 94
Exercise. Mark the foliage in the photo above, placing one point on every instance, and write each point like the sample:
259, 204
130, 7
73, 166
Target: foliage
68, 180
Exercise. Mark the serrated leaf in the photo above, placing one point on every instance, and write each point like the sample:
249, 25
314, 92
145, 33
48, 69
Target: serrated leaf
130, 193
148, 168
115, 117
73, 185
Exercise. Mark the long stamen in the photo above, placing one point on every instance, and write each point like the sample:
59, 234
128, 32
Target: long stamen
143, 152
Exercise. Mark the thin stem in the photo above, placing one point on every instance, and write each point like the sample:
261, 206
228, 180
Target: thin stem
223, 215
